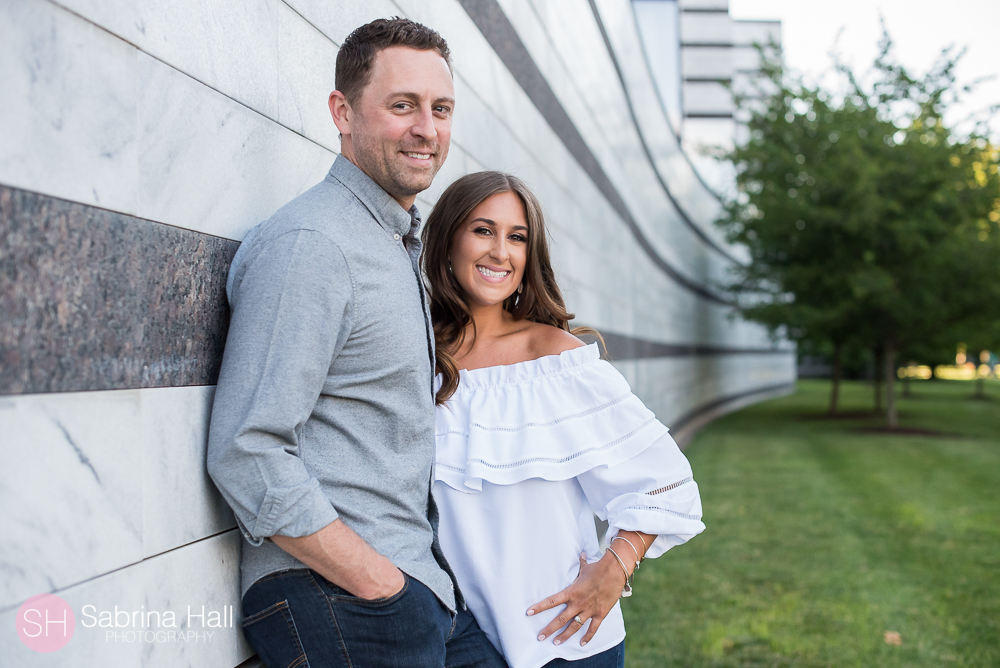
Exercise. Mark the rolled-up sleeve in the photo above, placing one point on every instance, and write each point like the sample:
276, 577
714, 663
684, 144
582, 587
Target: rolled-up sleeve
653, 492
291, 313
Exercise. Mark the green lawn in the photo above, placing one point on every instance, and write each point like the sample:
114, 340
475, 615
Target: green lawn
821, 538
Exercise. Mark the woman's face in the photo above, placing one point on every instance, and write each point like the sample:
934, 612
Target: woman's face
489, 250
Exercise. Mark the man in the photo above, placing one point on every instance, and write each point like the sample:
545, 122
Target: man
322, 436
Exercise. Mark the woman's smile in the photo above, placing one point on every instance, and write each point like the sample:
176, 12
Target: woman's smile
489, 250
493, 274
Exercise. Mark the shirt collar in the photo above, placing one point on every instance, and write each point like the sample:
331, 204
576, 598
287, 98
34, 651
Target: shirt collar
387, 211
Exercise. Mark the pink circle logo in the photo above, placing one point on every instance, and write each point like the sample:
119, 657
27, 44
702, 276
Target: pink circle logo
45, 623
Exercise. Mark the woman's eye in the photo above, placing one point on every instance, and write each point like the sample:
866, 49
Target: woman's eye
518, 237
483, 230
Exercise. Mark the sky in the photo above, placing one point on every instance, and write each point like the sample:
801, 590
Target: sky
919, 28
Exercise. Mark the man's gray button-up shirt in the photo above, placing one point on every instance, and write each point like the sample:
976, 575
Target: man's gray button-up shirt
324, 407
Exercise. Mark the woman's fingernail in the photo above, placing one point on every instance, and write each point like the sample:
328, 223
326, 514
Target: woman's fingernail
541, 636
556, 642
530, 612
582, 643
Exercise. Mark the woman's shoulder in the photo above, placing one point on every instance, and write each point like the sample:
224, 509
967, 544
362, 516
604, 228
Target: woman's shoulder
543, 340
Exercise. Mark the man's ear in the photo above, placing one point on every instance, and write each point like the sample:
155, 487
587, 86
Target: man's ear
341, 112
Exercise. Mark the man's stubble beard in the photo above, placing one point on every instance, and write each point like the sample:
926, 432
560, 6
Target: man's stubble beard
391, 175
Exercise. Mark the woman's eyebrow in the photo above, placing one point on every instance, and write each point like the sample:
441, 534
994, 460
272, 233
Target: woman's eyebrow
493, 223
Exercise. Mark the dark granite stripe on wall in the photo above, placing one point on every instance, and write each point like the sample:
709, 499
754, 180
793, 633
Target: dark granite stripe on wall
97, 300
622, 347
498, 31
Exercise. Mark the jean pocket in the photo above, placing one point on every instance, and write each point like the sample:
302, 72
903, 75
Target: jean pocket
341, 595
273, 634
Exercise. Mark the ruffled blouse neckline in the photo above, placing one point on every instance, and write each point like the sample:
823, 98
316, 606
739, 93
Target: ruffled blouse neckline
527, 371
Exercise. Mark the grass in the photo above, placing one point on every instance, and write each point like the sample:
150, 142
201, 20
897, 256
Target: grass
821, 538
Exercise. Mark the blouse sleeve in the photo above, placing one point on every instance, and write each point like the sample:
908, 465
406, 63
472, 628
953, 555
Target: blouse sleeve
653, 492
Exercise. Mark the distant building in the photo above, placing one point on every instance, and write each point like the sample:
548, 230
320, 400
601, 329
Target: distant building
698, 54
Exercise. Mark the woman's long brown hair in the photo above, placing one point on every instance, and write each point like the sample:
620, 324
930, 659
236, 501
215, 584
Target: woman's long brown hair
540, 301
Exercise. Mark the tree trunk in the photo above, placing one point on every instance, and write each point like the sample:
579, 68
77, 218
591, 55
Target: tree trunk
891, 418
838, 348
878, 379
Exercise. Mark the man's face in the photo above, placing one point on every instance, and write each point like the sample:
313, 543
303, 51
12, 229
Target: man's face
400, 127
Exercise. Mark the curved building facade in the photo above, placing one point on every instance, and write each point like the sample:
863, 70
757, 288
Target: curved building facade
142, 139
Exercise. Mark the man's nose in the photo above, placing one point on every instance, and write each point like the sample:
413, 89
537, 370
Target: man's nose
423, 125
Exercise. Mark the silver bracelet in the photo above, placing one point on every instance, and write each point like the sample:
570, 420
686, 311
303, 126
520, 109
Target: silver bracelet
627, 589
637, 560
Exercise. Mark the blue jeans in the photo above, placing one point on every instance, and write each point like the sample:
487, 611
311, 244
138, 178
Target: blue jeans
611, 658
298, 619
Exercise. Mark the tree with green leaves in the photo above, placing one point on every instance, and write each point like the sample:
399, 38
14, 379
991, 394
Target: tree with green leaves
868, 218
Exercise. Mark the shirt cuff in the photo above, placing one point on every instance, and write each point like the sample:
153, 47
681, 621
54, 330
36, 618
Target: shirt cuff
291, 511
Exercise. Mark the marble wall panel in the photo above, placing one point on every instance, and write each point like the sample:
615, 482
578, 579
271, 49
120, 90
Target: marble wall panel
180, 504
210, 164
71, 490
197, 575
98, 300
230, 45
677, 389
337, 20
72, 131
307, 61
119, 17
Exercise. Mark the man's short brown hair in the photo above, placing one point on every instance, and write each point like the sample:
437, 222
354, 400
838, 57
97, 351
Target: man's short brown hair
357, 54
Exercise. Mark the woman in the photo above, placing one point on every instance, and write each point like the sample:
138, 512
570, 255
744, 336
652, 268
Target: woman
535, 435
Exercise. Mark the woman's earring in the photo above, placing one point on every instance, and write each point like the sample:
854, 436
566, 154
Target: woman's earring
449, 268
520, 287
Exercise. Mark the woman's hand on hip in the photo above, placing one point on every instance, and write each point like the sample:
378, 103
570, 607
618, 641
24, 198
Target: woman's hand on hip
591, 596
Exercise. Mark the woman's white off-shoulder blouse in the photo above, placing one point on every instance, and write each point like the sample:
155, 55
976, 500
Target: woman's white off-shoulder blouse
527, 454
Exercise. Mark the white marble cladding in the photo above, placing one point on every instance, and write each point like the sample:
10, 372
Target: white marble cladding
198, 579
71, 132
110, 126
675, 387
208, 163
103, 480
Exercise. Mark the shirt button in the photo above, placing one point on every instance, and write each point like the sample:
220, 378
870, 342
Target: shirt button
396, 237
